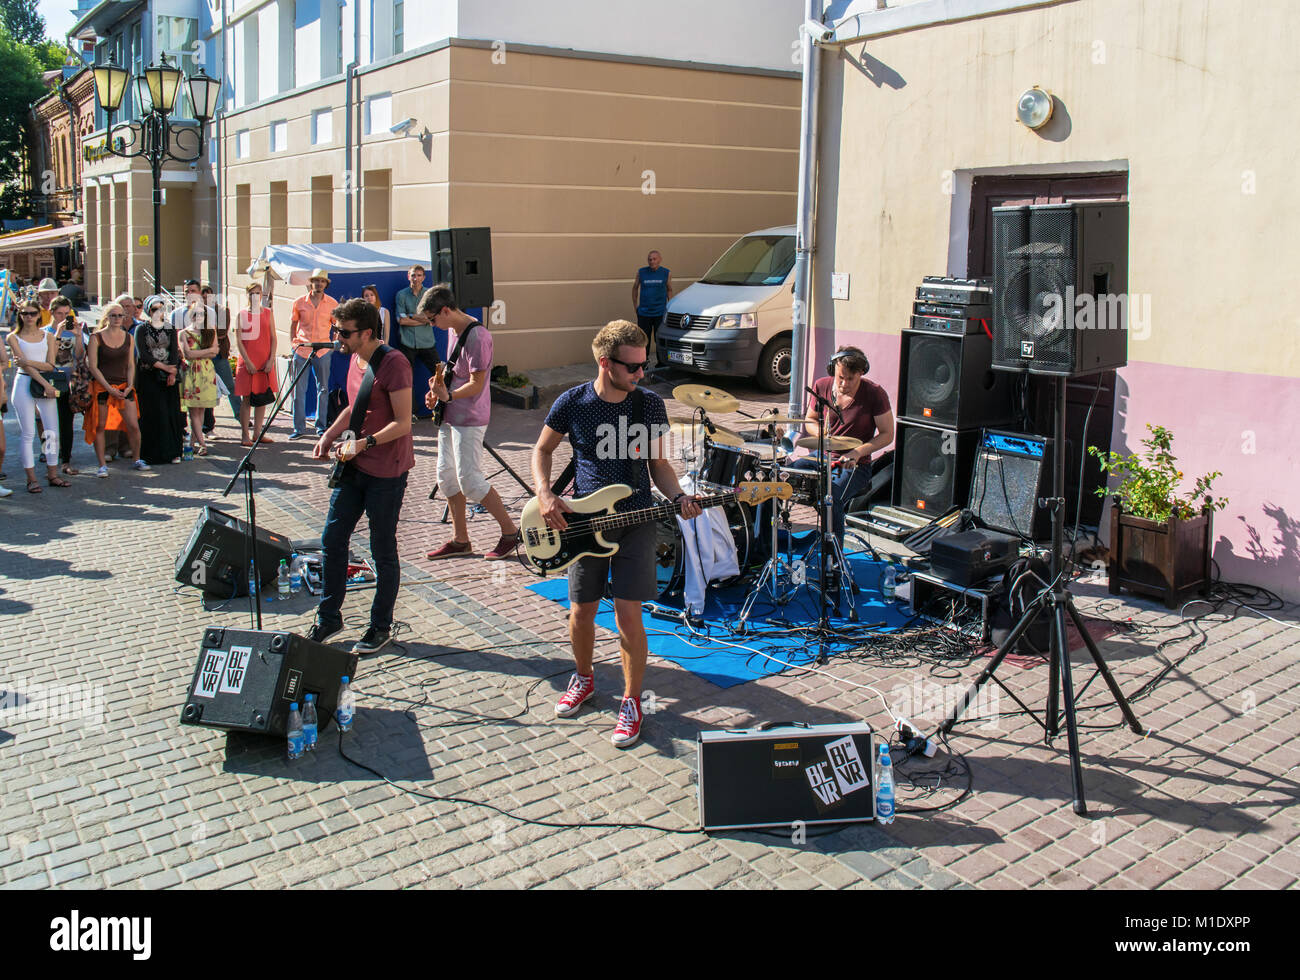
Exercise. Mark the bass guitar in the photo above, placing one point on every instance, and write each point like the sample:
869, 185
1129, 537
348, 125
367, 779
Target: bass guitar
552, 550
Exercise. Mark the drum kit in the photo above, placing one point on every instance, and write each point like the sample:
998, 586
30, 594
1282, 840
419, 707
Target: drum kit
718, 457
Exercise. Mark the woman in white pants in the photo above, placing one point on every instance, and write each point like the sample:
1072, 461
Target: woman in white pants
33, 351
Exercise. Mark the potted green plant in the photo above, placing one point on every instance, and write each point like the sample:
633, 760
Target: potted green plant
1160, 539
513, 389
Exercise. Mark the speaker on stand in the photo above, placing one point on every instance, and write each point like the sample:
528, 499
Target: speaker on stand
462, 258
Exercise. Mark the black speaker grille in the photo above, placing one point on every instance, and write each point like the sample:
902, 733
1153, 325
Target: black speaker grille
934, 376
1004, 493
1034, 272
928, 470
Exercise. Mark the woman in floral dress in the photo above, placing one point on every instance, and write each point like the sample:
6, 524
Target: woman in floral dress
199, 389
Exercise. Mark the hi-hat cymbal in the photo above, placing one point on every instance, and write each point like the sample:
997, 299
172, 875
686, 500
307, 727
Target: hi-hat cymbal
707, 398
693, 430
835, 444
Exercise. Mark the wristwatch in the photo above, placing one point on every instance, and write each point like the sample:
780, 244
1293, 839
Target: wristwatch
371, 442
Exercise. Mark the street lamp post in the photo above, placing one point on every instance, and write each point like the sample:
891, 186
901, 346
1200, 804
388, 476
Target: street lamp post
153, 137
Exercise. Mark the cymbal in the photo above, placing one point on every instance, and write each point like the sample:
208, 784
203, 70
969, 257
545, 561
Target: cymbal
835, 444
707, 398
688, 430
777, 419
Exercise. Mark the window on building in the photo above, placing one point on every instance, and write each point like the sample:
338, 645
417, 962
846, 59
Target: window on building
322, 127
243, 225
307, 39
379, 113
243, 145
279, 136
399, 26
177, 37
322, 208
252, 56
279, 212
376, 205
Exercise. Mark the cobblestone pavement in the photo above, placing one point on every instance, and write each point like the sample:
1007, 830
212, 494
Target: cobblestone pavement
109, 790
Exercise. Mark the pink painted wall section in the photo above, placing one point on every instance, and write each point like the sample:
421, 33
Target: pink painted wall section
1246, 425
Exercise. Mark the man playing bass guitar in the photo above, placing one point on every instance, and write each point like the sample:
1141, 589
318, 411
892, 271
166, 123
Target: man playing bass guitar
610, 423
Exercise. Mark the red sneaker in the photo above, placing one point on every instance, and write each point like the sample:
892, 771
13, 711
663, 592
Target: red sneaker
581, 688
452, 549
628, 731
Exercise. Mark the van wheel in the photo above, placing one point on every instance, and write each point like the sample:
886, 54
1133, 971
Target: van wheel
774, 364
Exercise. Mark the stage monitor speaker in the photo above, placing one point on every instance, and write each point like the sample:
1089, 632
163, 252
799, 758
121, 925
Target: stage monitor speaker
785, 772
932, 466
462, 258
946, 379
216, 557
245, 680
1060, 288
1012, 470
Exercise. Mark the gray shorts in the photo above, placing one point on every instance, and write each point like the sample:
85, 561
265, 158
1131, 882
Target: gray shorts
632, 567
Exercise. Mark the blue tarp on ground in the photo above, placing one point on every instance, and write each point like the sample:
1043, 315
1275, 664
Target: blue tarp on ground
726, 659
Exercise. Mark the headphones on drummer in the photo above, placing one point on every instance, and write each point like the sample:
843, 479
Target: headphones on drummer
854, 359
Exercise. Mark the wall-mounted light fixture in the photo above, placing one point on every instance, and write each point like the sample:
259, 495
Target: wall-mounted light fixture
1034, 108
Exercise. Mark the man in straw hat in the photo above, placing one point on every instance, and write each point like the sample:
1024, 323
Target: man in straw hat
310, 324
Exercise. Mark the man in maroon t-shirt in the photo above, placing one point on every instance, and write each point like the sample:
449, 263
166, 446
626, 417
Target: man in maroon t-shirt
864, 413
378, 453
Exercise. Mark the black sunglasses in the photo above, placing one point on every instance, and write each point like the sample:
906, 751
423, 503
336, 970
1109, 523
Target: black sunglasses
345, 333
632, 368
30, 312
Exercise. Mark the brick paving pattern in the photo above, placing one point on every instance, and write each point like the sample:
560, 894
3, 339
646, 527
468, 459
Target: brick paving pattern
123, 796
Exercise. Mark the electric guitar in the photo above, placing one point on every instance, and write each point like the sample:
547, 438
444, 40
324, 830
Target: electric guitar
439, 407
552, 550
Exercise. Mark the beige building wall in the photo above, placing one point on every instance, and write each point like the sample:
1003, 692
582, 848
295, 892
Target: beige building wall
579, 165
1188, 97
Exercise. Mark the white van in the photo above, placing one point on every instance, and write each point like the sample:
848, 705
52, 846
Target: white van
736, 319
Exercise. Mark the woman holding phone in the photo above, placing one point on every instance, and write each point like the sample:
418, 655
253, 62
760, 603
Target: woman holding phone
113, 399
34, 351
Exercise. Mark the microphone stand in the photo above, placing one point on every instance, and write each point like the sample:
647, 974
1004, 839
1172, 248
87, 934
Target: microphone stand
246, 467
828, 546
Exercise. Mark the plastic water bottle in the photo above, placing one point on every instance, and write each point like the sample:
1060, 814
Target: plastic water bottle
187, 453
347, 706
309, 722
890, 583
252, 580
884, 787
282, 580
297, 741
295, 574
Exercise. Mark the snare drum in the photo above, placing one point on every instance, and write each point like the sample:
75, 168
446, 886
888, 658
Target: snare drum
729, 466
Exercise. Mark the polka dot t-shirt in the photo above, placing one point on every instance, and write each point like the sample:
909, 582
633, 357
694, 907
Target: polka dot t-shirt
608, 444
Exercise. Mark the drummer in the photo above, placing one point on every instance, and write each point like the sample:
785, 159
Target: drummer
864, 413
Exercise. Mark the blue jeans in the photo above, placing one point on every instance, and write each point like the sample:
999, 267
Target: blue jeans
222, 366
320, 366
845, 485
380, 499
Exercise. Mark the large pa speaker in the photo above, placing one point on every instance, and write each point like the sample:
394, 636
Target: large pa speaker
1060, 288
245, 680
1012, 470
462, 258
932, 466
947, 379
216, 556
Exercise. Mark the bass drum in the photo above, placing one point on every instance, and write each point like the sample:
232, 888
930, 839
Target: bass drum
670, 568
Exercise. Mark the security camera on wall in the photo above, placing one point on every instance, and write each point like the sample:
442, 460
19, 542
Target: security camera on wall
401, 128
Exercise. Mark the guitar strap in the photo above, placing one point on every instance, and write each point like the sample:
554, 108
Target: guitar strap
460, 346
359, 407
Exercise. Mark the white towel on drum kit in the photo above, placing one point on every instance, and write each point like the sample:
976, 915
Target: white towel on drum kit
708, 549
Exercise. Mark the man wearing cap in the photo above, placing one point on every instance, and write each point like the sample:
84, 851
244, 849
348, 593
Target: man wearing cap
45, 293
310, 324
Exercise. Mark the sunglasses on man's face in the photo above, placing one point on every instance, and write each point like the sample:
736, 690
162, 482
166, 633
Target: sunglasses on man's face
344, 333
632, 368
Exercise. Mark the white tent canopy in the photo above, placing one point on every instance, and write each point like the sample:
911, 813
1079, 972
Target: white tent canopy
293, 263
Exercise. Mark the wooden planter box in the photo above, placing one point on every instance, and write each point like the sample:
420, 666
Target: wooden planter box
1169, 562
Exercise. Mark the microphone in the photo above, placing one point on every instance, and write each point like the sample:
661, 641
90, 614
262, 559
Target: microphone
331, 345
825, 401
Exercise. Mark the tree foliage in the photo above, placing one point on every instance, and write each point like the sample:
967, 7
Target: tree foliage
21, 19
21, 65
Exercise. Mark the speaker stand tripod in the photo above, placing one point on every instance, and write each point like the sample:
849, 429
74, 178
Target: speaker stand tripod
1054, 601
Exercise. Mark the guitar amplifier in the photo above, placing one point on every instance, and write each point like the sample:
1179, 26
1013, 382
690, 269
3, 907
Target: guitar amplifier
784, 772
